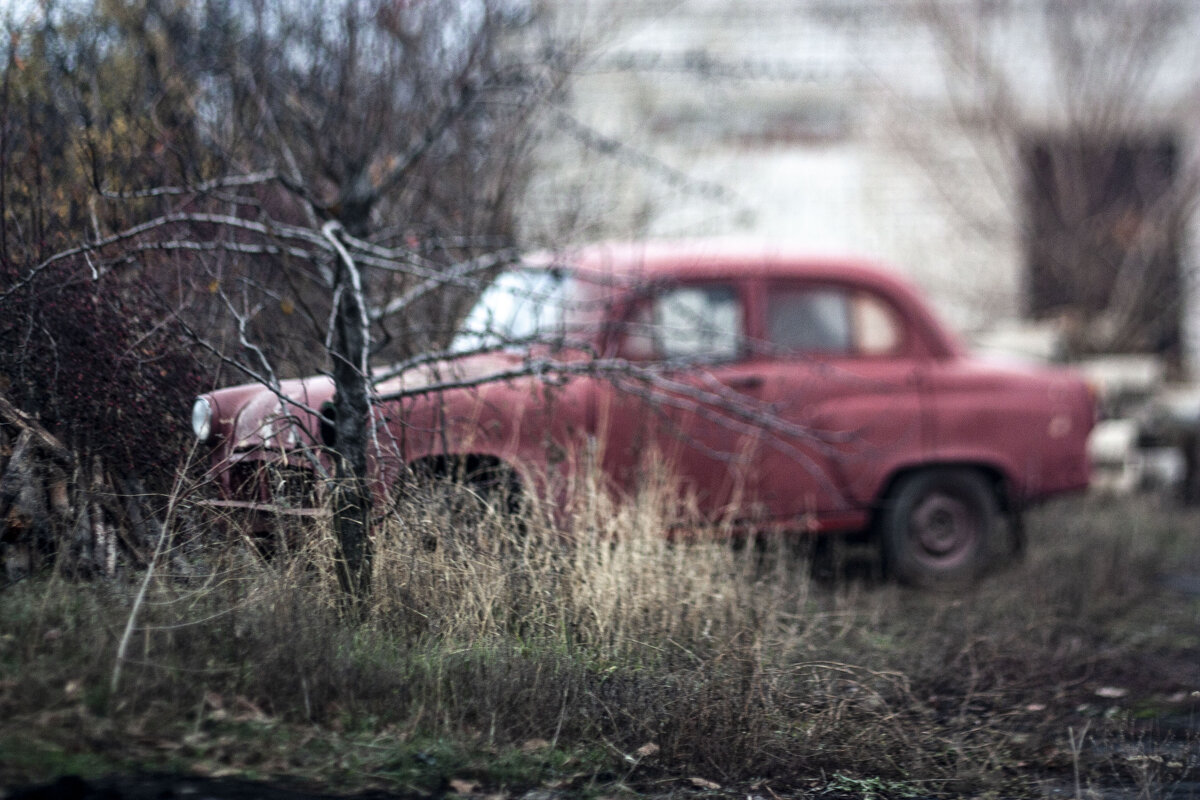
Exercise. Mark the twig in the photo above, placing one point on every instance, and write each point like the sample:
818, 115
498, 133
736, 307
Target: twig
1076, 748
130, 624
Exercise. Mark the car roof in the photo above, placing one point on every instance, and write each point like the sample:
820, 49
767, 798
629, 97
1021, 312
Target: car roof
633, 263
630, 262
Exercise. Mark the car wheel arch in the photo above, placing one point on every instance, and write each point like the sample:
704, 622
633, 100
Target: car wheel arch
996, 477
484, 472
466, 466
920, 551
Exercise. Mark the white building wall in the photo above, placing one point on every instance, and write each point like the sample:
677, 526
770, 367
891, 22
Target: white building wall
841, 131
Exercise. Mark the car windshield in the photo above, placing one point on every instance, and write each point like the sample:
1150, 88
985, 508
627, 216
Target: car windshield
521, 307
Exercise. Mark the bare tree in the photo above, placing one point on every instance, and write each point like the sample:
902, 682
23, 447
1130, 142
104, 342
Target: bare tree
320, 169
1079, 114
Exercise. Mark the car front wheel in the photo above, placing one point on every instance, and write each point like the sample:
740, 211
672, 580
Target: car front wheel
938, 527
467, 502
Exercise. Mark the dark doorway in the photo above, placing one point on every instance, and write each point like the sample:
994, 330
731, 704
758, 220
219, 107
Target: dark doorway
1102, 241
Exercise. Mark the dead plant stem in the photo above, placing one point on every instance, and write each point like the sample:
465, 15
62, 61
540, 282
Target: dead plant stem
139, 599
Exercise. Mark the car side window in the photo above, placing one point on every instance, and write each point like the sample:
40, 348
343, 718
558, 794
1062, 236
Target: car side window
687, 323
877, 330
831, 320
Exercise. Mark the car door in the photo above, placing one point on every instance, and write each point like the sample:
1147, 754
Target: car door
688, 404
842, 373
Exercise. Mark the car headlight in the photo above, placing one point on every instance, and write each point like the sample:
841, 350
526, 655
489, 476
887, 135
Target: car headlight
202, 418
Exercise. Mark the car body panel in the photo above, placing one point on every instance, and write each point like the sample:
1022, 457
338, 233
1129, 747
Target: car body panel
1030, 424
759, 425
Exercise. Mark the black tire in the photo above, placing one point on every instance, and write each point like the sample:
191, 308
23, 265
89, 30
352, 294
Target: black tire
938, 529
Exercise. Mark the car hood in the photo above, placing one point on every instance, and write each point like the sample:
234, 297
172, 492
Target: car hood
254, 415
449, 373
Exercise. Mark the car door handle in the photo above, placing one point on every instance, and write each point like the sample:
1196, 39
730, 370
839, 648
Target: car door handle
745, 382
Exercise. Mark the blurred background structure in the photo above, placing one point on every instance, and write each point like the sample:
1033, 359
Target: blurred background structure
1031, 160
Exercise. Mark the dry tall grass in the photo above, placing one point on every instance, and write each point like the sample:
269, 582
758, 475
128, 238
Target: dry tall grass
733, 661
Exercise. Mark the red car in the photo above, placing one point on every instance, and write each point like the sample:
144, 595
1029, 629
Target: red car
784, 392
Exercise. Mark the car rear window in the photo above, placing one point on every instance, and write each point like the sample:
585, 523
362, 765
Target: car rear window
830, 320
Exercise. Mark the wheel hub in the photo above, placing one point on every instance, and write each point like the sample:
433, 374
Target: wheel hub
942, 526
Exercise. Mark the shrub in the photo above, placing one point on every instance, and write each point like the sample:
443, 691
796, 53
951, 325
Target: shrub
102, 367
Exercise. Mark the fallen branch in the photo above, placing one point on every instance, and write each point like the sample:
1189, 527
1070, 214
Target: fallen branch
18, 419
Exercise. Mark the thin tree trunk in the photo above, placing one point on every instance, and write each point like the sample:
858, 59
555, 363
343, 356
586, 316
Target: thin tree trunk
352, 416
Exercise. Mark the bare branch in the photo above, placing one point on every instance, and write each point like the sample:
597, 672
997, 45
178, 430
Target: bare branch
274, 230
454, 276
227, 182
609, 146
434, 131
242, 321
706, 66
330, 230
241, 248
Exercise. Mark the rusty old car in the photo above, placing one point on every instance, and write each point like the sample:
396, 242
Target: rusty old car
783, 392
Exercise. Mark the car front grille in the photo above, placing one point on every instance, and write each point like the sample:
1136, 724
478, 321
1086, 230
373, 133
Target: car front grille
292, 486
246, 481
284, 485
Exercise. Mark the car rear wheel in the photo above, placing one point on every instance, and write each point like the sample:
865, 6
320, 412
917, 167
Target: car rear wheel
939, 527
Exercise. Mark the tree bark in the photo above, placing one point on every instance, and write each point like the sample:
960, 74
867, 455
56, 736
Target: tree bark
349, 348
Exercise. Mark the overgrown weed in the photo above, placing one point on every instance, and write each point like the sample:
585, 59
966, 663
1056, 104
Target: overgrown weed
732, 662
